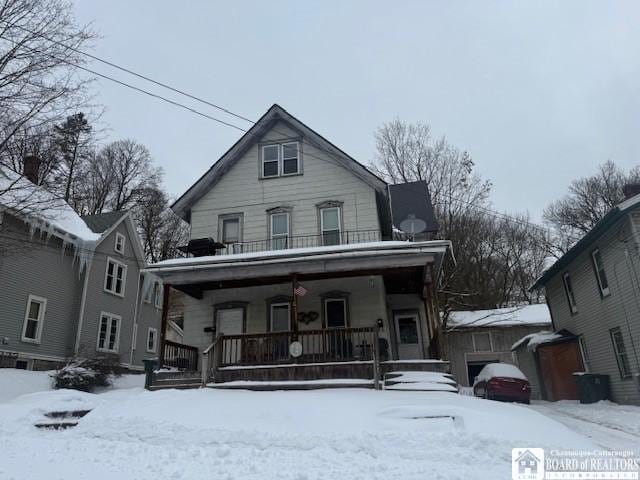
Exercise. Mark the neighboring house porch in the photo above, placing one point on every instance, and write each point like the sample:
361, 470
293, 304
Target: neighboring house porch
340, 311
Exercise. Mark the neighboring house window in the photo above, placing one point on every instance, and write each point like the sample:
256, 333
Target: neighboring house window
330, 225
280, 316
157, 295
34, 319
109, 332
585, 354
279, 231
280, 159
335, 312
119, 246
115, 277
601, 275
482, 342
568, 289
621, 352
290, 158
152, 340
230, 229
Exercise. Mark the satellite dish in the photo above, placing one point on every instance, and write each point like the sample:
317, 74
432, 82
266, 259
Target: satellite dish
413, 225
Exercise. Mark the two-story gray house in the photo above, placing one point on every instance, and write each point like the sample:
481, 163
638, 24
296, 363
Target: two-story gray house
593, 293
71, 286
295, 274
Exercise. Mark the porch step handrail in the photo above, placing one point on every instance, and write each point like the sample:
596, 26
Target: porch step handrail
209, 357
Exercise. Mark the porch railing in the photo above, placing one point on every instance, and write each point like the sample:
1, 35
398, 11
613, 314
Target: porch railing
178, 355
303, 241
318, 346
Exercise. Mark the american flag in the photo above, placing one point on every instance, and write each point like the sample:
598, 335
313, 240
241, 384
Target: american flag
300, 291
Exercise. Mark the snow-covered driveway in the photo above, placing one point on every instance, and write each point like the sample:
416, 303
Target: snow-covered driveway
328, 434
610, 426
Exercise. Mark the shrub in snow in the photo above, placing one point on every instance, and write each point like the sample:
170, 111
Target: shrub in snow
87, 374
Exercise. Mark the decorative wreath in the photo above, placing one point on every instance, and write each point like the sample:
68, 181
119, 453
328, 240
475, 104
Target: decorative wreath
307, 317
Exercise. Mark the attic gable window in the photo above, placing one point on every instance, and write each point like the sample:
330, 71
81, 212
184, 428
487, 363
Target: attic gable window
280, 159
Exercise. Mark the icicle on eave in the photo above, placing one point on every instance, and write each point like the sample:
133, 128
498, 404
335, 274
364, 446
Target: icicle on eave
84, 251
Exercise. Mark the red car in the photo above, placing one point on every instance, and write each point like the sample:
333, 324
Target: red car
502, 381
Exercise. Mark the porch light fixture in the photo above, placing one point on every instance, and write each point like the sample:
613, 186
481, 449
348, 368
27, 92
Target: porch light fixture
379, 323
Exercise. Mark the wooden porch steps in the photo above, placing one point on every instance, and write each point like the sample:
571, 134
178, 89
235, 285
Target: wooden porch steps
269, 386
177, 380
61, 420
416, 381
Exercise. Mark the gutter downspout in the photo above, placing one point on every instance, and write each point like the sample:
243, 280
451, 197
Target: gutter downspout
83, 303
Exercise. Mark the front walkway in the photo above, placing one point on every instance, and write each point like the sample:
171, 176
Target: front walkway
610, 426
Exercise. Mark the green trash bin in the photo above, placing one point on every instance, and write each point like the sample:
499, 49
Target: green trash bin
592, 387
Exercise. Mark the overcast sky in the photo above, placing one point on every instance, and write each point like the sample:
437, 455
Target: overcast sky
538, 93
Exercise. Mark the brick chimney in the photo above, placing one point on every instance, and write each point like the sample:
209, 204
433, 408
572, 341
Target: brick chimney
31, 168
631, 190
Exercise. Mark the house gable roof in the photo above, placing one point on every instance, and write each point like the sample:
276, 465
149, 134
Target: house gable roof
105, 223
605, 223
101, 222
182, 206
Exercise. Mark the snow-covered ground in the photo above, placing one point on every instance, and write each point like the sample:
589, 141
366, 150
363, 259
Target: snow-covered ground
325, 434
610, 426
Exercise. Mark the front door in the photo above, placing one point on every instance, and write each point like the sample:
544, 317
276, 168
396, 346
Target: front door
409, 339
229, 322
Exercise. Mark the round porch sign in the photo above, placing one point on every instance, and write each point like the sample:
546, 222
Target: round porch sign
295, 349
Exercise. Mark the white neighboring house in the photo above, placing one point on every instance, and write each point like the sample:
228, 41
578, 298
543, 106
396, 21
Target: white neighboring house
71, 286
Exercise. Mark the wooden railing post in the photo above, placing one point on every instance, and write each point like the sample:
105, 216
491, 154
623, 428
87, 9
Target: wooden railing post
376, 359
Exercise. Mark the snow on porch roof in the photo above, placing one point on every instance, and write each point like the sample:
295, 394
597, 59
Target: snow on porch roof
502, 317
41, 209
292, 254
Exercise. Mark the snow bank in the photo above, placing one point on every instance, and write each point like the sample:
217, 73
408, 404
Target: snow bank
501, 317
494, 370
533, 340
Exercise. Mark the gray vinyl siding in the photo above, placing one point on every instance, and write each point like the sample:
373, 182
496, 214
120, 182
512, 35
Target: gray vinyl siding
34, 265
241, 190
366, 305
460, 349
148, 317
98, 300
597, 315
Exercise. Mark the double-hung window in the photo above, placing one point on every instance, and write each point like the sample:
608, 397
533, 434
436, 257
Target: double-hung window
119, 245
601, 275
568, 290
152, 340
115, 277
330, 225
34, 319
280, 316
279, 230
620, 351
280, 159
109, 332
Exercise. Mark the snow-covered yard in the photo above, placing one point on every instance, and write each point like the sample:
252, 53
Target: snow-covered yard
324, 434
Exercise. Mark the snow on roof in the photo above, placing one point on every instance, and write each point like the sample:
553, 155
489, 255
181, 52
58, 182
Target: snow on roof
533, 340
436, 246
41, 209
501, 317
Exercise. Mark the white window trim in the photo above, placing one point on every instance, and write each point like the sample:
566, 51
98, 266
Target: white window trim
279, 304
322, 229
326, 311
278, 160
475, 348
569, 293
282, 159
124, 277
123, 239
586, 362
230, 216
280, 235
618, 354
155, 340
41, 314
116, 347
157, 294
603, 291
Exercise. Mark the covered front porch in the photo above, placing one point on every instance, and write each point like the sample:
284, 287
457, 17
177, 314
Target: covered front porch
330, 313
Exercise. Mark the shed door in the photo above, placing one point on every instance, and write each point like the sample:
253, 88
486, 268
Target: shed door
557, 364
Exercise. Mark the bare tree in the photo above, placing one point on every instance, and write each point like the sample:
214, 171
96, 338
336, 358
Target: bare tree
588, 200
39, 81
74, 144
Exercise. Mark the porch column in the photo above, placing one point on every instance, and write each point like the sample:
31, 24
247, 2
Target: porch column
166, 289
294, 305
